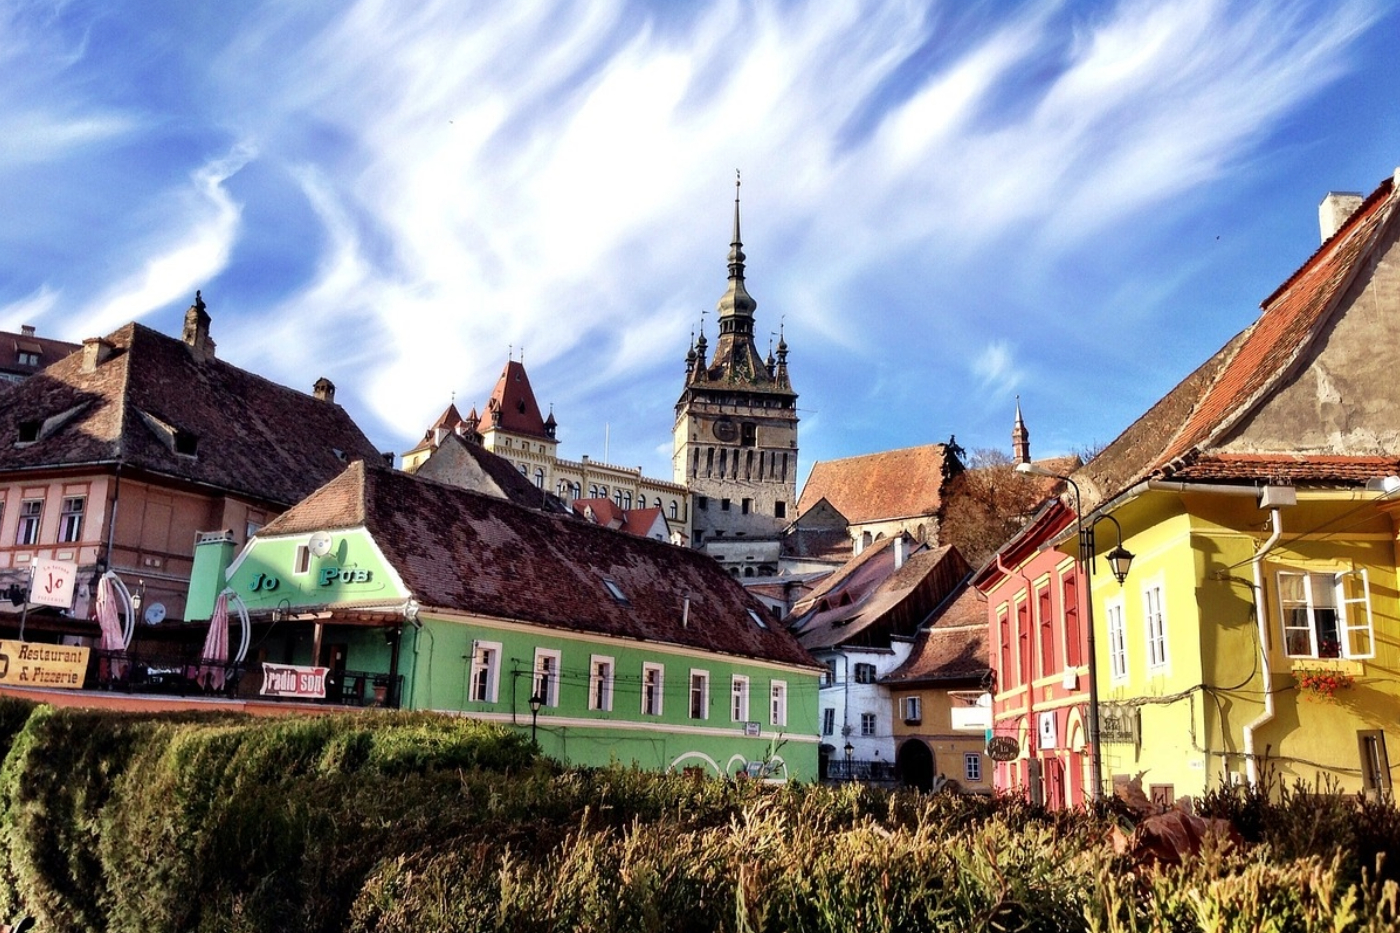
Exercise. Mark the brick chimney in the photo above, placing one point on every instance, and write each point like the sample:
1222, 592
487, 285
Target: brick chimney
1334, 211
26, 330
196, 334
323, 390
95, 353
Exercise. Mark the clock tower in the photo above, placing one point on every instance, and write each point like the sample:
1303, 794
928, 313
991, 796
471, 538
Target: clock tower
736, 435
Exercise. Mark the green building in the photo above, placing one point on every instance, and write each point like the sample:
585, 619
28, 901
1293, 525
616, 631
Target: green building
382, 588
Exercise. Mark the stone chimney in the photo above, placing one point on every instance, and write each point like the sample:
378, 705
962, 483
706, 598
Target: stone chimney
96, 350
1334, 211
899, 551
323, 390
26, 330
196, 334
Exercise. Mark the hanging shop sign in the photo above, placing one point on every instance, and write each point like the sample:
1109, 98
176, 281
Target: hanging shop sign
27, 664
291, 680
53, 583
1003, 748
1118, 725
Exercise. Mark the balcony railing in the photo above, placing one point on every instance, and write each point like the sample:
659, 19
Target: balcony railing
873, 772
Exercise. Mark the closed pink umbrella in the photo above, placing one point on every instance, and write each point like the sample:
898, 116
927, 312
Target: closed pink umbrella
215, 655
112, 640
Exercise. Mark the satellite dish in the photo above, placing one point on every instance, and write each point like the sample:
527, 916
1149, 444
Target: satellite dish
155, 613
320, 544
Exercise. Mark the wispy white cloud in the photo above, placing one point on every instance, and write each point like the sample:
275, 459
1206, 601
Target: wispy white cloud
32, 309
995, 369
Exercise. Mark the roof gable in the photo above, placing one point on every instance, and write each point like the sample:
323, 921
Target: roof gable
891, 484
512, 407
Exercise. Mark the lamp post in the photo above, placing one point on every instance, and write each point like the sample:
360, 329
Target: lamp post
1119, 559
536, 701
850, 750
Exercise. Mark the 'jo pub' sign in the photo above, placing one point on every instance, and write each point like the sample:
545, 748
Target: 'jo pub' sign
266, 582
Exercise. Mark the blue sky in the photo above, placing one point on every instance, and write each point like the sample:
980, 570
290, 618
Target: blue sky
946, 204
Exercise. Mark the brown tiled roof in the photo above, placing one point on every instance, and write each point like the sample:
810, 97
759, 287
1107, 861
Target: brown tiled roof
249, 435
892, 484
954, 647
461, 551
1179, 429
512, 404
48, 350
467, 465
1298, 469
875, 601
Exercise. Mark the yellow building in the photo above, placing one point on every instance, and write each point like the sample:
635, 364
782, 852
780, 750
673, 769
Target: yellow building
1258, 633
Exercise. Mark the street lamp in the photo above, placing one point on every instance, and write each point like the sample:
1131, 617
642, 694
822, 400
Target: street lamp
536, 701
1119, 560
850, 750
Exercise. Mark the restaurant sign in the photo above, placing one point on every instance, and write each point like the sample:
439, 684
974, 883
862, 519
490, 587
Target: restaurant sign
1118, 725
292, 680
27, 664
1003, 748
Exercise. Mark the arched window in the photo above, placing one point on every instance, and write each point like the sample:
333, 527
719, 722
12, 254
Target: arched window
675, 508
593, 492
627, 500
539, 477
617, 497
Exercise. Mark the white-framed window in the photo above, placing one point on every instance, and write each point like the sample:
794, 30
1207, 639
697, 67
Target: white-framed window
777, 695
486, 671
1117, 642
865, 673
699, 694
653, 684
1326, 615
829, 675
547, 676
302, 562
912, 709
829, 721
1154, 620
30, 512
739, 698
600, 683
70, 521
867, 724
972, 766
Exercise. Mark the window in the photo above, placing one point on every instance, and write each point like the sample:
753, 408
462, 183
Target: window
739, 699
828, 721
1156, 627
1047, 632
1326, 615
867, 724
186, 443
699, 695
1117, 642
251, 527
614, 590
972, 766
652, 684
724, 505
701, 502
778, 703
675, 509
29, 431
30, 511
865, 673
302, 562
617, 498
600, 683
745, 505
539, 477
780, 510
1069, 594
486, 672
748, 436
829, 676
70, 521
1023, 642
26, 358
1004, 626
757, 619
913, 708
547, 676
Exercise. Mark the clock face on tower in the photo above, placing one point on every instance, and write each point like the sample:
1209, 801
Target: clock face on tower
726, 430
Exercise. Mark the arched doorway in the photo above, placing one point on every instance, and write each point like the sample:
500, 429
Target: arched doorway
914, 765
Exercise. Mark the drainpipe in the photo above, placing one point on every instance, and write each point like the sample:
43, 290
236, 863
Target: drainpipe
1260, 617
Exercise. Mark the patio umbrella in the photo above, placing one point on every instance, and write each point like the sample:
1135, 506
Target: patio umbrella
214, 658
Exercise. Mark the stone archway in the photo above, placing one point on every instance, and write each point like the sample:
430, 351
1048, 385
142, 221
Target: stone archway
914, 765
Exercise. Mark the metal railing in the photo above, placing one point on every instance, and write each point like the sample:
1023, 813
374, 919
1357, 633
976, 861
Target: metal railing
873, 772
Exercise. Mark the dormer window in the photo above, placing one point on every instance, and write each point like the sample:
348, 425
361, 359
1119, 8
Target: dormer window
25, 358
29, 431
186, 443
757, 619
615, 591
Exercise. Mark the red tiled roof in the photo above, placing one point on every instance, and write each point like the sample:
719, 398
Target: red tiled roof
48, 350
461, 551
250, 436
892, 484
512, 404
1173, 436
954, 648
1287, 469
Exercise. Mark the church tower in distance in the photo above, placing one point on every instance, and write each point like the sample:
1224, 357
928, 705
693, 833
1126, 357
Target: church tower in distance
736, 435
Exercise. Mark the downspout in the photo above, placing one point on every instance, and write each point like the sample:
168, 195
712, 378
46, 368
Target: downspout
1260, 605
